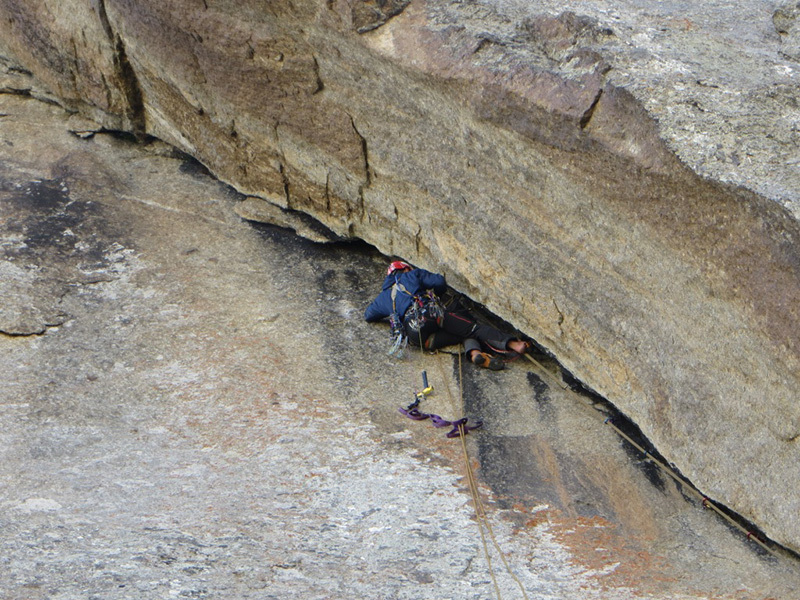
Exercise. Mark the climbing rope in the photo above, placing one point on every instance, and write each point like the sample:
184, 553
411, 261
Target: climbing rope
704, 500
480, 510
460, 430
483, 522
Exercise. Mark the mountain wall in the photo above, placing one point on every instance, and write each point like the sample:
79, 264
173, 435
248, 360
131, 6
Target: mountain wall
519, 154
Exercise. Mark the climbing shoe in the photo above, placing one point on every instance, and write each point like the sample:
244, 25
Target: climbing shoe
487, 361
514, 354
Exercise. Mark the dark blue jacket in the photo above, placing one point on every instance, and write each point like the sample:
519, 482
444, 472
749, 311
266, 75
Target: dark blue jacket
415, 281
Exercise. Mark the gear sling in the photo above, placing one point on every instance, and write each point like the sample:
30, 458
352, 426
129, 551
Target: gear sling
422, 318
428, 324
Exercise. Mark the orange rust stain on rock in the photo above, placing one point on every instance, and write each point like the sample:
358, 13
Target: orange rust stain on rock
598, 545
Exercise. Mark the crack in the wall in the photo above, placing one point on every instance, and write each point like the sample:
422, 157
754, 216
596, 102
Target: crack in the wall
560, 315
367, 170
40, 331
364, 153
73, 73
485, 40
371, 14
129, 83
328, 192
100, 6
107, 89
286, 190
320, 83
282, 170
587, 116
18, 92
19, 70
362, 206
130, 86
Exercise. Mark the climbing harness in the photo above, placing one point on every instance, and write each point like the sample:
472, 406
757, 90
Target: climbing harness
422, 317
419, 321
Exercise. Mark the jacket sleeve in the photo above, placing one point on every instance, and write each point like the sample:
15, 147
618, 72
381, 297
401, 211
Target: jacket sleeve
377, 309
433, 281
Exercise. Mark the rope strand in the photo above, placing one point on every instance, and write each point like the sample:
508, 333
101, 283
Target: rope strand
662, 467
480, 510
480, 514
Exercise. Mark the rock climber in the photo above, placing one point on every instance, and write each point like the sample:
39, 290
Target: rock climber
413, 296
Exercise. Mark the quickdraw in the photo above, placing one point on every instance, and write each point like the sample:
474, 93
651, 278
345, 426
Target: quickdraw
412, 412
397, 334
398, 338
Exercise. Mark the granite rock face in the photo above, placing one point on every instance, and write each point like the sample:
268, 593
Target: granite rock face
549, 164
201, 423
787, 24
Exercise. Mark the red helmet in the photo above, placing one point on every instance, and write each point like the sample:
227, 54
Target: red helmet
397, 265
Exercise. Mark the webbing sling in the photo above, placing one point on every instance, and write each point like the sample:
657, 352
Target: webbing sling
398, 286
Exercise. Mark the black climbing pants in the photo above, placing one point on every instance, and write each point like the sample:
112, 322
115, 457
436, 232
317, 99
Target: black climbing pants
457, 325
